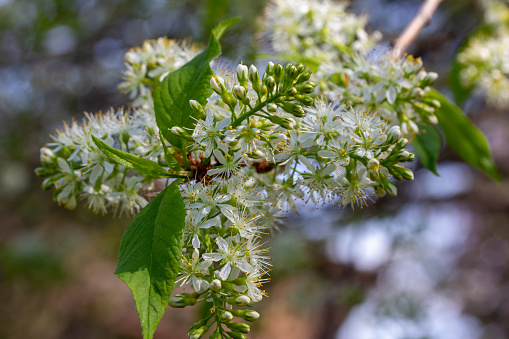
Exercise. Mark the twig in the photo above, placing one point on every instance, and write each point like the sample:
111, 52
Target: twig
422, 18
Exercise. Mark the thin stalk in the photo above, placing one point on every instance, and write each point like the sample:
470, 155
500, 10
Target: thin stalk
253, 111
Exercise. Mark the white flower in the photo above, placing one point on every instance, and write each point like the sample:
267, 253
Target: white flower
318, 180
129, 199
290, 152
208, 198
232, 255
229, 164
254, 283
356, 192
246, 224
192, 270
208, 133
196, 221
97, 200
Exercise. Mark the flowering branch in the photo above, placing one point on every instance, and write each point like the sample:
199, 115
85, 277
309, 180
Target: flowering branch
422, 18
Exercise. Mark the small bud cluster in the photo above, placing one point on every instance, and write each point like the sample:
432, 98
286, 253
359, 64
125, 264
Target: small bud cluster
77, 170
150, 63
349, 67
316, 29
485, 60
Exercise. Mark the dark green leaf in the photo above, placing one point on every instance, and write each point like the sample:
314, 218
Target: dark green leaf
191, 81
140, 165
463, 137
150, 255
427, 145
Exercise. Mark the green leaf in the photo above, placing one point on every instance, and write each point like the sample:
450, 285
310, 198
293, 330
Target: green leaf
191, 81
140, 165
460, 90
150, 255
463, 137
427, 145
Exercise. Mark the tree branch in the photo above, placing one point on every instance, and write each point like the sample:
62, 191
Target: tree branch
422, 18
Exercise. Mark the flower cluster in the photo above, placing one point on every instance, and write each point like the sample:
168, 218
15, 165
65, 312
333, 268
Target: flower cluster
77, 170
149, 64
349, 68
396, 86
261, 145
265, 144
486, 58
317, 29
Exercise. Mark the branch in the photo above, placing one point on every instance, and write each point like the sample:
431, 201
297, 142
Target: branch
422, 18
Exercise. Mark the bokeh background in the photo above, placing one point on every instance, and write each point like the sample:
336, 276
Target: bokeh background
432, 262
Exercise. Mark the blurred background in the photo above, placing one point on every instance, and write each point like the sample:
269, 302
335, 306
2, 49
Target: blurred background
432, 262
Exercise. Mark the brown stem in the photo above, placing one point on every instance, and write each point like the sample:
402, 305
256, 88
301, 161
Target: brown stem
422, 18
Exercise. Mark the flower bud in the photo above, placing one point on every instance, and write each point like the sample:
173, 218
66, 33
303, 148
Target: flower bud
390, 187
404, 128
226, 316
239, 327
241, 300
278, 73
431, 77
379, 190
242, 74
47, 156
307, 88
236, 335
402, 143
272, 107
248, 315
287, 123
215, 285
264, 90
239, 92
254, 77
181, 133
269, 70
373, 165
292, 91
407, 173
217, 84
182, 300
132, 57
271, 83
294, 109
300, 68
195, 105
216, 335
306, 100
197, 333
432, 118
304, 77
291, 73
43, 172
395, 132
417, 93
413, 127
